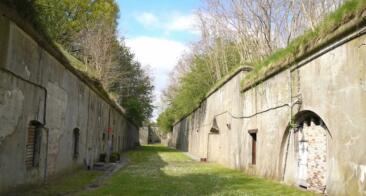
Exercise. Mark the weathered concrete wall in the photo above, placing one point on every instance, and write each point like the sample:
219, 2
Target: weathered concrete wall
328, 90
166, 139
193, 134
144, 135
35, 86
149, 135
154, 135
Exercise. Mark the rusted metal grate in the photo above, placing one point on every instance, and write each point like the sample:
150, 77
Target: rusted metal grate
30, 146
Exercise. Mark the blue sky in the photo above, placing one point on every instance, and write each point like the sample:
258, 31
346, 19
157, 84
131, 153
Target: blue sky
157, 15
158, 32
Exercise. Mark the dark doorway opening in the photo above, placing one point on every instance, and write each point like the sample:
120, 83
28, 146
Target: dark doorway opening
253, 134
76, 136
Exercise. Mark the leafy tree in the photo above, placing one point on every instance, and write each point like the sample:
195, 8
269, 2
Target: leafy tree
132, 85
87, 29
64, 19
194, 84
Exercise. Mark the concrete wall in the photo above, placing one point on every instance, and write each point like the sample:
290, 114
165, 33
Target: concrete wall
35, 86
328, 90
193, 134
149, 135
144, 135
154, 135
166, 139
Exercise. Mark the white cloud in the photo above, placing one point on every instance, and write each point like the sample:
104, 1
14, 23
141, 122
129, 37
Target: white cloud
187, 23
147, 19
161, 55
171, 23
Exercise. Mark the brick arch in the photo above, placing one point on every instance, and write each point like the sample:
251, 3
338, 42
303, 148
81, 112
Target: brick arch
305, 115
304, 151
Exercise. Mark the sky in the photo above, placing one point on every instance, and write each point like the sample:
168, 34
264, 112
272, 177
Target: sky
158, 32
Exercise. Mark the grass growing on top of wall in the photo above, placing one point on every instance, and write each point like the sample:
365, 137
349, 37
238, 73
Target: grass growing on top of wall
76, 63
158, 170
310, 40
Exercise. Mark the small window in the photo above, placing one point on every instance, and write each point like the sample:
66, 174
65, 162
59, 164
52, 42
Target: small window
253, 134
33, 146
103, 136
76, 136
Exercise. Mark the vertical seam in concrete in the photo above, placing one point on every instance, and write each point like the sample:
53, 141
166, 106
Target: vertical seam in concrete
4, 40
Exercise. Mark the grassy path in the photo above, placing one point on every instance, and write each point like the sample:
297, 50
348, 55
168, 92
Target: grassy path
157, 170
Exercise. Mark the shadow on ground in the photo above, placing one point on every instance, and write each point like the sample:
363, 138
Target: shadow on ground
158, 170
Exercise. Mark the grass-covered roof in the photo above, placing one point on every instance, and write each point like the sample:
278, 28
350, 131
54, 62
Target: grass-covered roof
343, 21
340, 23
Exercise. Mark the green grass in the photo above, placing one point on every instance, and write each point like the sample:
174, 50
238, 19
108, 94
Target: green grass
66, 184
309, 42
76, 63
157, 170
326, 32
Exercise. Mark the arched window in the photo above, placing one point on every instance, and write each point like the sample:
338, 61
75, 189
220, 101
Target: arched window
76, 136
33, 146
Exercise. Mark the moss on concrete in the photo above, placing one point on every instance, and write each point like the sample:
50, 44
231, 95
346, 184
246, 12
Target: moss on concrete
67, 60
216, 87
337, 24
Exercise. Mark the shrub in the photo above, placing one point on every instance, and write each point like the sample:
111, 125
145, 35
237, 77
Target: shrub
115, 156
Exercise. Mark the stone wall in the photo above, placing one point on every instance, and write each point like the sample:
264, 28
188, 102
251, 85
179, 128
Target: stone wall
328, 86
36, 87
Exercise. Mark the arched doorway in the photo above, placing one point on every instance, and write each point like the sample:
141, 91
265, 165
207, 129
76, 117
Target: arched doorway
305, 150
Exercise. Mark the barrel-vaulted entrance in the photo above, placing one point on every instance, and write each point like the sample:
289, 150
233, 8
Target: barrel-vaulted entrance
304, 152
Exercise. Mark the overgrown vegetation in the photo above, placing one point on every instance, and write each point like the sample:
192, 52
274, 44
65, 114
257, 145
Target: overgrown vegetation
267, 34
194, 85
132, 85
158, 170
302, 44
86, 33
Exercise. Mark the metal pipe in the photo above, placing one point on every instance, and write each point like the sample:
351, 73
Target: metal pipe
44, 112
46, 158
34, 84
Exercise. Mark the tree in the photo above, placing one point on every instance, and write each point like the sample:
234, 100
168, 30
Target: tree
235, 33
131, 85
64, 19
87, 30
